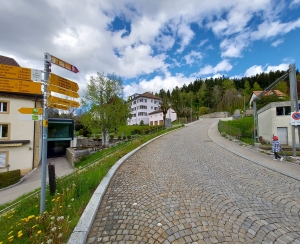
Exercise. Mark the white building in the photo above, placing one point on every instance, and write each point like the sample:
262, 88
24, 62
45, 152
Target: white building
141, 106
156, 117
275, 119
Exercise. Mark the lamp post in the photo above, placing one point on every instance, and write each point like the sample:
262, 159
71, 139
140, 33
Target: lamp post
244, 105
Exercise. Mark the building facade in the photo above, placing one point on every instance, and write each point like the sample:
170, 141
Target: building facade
141, 106
156, 117
275, 119
20, 140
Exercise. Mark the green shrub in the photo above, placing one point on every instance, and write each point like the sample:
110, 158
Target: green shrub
86, 131
128, 137
9, 178
142, 122
119, 137
81, 132
111, 137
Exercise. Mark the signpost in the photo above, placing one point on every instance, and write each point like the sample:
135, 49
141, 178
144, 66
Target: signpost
63, 101
63, 83
31, 111
58, 106
63, 91
61, 63
8, 85
30, 117
15, 72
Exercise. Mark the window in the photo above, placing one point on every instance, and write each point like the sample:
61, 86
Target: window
280, 111
143, 107
145, 100
3, 131
155, 108
3, 106
134, 102
3, 159
152, 101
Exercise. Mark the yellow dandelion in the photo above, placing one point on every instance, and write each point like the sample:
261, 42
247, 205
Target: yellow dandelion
1, 242
60, 206
4, 215
19, 235
9, 217
53, 200
11, 237
20, 231
39, 232
10, 232
36, 206
34, 226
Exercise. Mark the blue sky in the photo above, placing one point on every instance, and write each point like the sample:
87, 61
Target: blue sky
153, 44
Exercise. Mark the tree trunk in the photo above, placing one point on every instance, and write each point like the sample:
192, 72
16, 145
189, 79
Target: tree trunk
103, 137
107, 138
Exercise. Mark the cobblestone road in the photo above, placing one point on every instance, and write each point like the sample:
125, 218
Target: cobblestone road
184, 188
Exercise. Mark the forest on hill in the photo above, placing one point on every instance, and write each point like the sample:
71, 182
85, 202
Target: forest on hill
224, 94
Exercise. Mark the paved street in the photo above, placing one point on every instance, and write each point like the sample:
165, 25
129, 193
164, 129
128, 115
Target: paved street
184, 188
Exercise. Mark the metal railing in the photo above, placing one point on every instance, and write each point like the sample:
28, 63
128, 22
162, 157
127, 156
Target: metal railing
229, 130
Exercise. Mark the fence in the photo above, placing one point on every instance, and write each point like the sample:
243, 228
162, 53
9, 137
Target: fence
229, 130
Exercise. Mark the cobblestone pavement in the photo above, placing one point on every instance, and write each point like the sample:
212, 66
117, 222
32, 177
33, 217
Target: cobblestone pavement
184, 188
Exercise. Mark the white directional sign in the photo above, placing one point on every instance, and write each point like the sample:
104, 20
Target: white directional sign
30, 117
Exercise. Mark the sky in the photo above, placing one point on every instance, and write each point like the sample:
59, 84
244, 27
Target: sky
153, 45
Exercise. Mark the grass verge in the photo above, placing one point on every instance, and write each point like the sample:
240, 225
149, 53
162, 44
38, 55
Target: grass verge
24, 223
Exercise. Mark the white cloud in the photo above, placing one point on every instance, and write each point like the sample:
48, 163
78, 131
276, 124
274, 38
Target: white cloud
193, 57
257, 69
224, 65
157, 83
294, 3
277, 42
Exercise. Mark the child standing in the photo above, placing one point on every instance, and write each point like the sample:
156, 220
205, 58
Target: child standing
276, 147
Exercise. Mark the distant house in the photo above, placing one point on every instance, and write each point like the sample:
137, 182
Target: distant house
156, 117
141, 106
268, 93
20, 140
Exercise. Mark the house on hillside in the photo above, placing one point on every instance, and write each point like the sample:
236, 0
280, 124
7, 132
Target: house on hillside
268, 93
20, 140
141, 106
275, 119
156, 117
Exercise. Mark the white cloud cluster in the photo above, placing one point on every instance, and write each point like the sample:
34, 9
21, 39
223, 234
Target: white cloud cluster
151, 36
257, 69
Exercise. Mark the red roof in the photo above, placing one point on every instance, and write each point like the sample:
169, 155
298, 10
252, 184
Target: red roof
271, 92
8, 61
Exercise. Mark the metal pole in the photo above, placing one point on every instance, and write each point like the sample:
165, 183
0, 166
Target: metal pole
244, 106
191, 111
45, 136
294, 102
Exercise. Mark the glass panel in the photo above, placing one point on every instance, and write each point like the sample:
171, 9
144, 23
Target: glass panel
279, 111
4, 107
59, 131
288, 110
4, 130
2, 160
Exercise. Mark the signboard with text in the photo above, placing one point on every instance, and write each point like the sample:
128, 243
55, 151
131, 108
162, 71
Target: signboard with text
63, 91
63, 101
31, 110
15, 72
20, 86
63, 83
61, 63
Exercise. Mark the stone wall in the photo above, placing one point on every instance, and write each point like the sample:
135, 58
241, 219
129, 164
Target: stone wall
74, 155
216, 115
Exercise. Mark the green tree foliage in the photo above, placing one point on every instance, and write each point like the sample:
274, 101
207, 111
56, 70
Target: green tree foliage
164, 104
231, 101
247, 88
256, 87
176, 101
228, 85
107, 109
264, 100
282, 86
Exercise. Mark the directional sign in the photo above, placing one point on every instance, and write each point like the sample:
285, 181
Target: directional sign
63, 91
61, 63
30, 117
62, 101
15, 72
31, 110
58, 106
8, 85
63, 83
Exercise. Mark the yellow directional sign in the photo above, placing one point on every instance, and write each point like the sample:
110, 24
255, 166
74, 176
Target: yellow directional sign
63, 101
63, 91
58, 106
31, 110
8, 85
15, 72
63, 83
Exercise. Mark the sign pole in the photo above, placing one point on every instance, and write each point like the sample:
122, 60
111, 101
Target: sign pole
45, 136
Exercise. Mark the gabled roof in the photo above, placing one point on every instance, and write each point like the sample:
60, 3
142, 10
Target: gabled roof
155, 112
147, 95
269, 93
8, 61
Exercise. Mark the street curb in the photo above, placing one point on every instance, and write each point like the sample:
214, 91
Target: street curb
82, 229
254, 161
